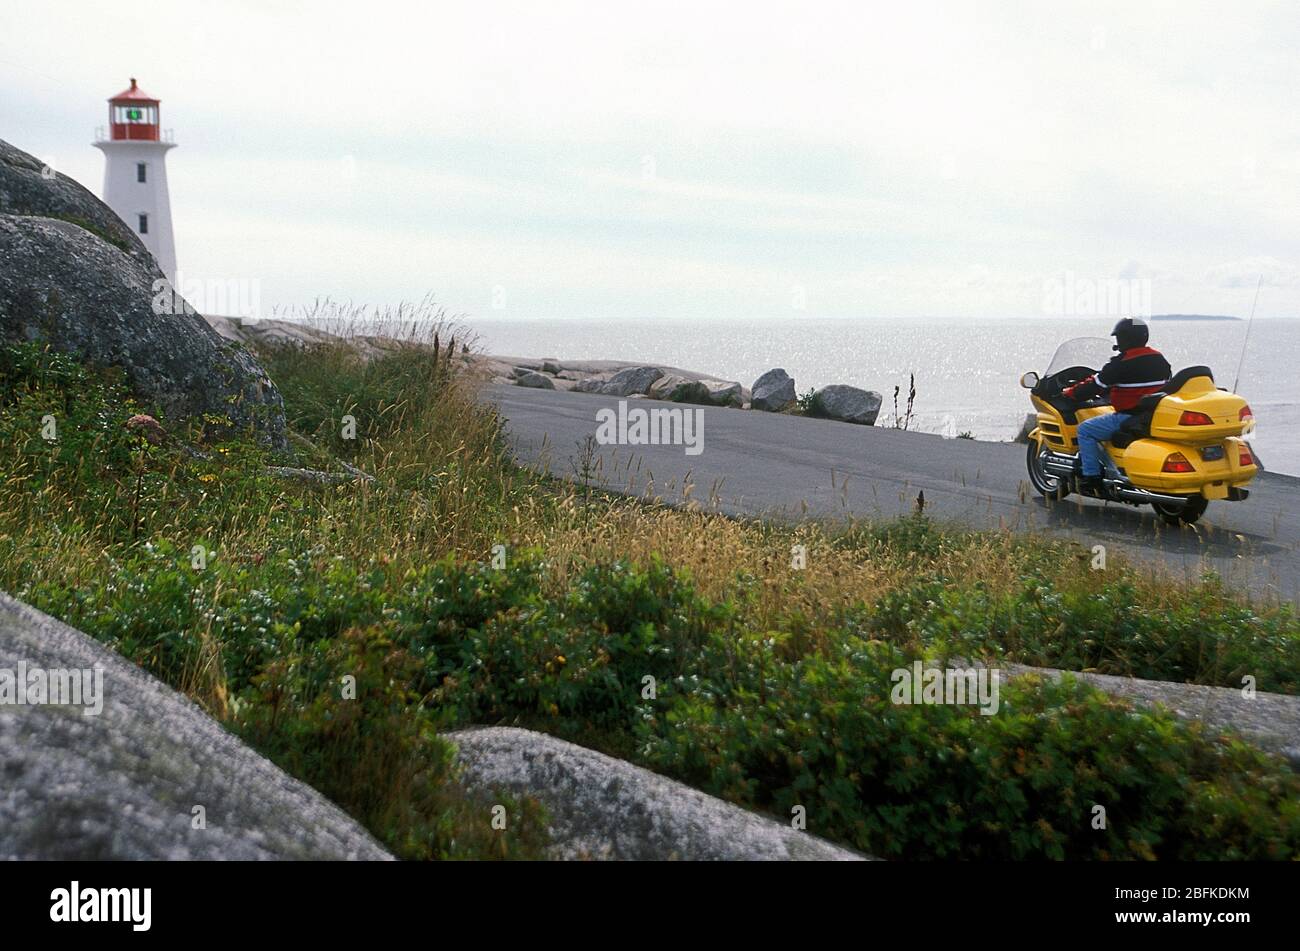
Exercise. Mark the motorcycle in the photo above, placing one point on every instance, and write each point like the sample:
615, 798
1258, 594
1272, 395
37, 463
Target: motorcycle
1184, 446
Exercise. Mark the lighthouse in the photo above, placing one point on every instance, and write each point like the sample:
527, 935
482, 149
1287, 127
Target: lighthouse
135, 172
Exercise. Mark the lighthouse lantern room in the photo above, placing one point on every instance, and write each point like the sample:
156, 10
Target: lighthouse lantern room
135, 172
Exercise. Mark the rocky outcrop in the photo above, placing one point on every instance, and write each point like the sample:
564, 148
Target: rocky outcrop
605, 808
849, 404
773, 391
538, 381
150, 777
632, 380
1269, 720
73, 276
29, 187
665, 386
1027, 427
725, 393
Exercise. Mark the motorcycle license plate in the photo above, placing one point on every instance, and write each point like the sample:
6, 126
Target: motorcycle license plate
1215, 490
1212, 453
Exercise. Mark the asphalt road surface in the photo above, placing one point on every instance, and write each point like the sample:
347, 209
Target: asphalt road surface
785, 467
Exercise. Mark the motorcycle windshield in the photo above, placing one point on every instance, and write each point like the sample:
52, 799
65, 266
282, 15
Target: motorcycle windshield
1091, 352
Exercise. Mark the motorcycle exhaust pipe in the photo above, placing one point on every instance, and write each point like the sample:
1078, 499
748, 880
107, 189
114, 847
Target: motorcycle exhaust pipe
1064, 467
1134, 494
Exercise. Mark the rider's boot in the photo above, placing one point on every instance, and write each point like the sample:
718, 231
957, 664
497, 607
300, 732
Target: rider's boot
1090, 485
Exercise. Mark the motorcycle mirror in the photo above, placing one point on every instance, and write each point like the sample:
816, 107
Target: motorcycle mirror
1029, 380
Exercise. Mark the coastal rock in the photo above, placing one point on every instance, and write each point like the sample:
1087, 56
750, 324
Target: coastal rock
72, 276
678, 389
538, 381
260, 334
551, 366
848, 403
605, 808
1031, 420
725, 393
631, 380
28, 187
773, 391
662, 387
1269, 720
123, 785
592, 384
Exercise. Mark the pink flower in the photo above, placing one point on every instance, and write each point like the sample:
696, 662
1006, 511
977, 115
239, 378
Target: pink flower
146, 426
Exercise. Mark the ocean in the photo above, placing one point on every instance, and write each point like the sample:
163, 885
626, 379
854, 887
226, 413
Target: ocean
967, 371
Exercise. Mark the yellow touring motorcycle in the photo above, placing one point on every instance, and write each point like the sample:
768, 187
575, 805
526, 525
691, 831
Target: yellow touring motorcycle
1183, 447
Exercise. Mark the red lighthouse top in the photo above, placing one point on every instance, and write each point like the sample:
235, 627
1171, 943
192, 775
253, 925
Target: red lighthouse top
133, 114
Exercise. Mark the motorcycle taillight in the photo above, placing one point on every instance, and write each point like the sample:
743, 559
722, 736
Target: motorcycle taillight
1190, 418
1246, 413
1177, 462
1244, 458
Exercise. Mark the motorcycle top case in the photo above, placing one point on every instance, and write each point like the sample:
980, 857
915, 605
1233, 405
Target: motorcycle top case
1201, 401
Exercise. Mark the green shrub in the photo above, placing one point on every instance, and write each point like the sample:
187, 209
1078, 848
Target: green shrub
936, 781
1206, 638
341, 716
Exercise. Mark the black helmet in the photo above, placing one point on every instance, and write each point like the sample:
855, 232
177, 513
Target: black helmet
1130, 332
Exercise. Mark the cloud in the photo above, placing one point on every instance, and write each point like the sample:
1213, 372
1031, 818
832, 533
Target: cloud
670, 159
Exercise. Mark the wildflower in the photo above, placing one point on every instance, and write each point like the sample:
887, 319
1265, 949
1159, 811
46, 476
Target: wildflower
207, 477
146, 426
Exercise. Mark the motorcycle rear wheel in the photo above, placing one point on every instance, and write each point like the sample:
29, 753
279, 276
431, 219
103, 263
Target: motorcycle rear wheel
1182, 515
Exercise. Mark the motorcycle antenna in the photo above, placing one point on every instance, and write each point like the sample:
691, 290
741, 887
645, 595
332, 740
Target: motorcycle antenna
1247, 340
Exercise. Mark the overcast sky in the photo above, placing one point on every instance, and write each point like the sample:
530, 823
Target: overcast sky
697, 160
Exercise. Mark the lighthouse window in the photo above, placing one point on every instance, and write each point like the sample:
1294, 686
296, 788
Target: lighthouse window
141, 172
144, 224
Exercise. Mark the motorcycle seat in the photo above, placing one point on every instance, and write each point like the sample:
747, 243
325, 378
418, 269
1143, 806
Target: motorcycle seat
1176, 383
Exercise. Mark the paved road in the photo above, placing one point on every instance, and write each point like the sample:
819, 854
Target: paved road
789, 467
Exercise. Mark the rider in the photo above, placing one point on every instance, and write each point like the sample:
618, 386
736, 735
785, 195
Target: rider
1134, 372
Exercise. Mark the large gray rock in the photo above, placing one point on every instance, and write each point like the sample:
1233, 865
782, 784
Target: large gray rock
1027, 427
72, 275
773, 391
124, 784
631, 380
592, 384
848, 403
535, 380
725, 393
1269, 720
678, 389
605, 808
29, 187
662, 387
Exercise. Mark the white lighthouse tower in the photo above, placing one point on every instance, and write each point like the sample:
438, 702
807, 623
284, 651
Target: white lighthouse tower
135, 172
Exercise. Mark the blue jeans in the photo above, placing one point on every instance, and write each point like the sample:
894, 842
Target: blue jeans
1092, 433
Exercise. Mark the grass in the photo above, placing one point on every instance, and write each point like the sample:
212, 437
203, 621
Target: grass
769, 678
